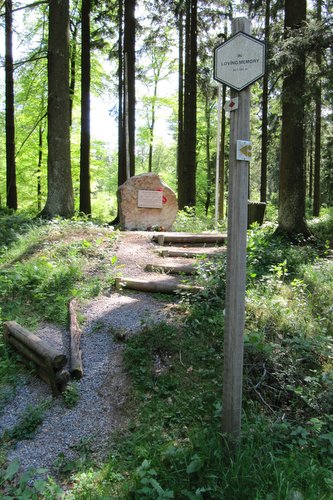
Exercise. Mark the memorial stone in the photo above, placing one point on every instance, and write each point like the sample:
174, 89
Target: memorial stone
146, 203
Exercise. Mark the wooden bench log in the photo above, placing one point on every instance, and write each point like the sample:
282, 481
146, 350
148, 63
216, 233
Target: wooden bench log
165, 268
76, 367
154, 286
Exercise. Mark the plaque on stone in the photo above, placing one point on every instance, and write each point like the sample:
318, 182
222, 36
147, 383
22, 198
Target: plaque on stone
150, 199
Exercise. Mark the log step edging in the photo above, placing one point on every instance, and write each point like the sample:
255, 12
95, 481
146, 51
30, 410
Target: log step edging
187, 269
164, 238
190, 254
154, 286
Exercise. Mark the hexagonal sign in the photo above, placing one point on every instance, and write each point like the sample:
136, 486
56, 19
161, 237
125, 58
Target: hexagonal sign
240, 61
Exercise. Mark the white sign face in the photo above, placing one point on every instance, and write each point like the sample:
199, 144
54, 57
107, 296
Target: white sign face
244, 151
239, 61
150, 199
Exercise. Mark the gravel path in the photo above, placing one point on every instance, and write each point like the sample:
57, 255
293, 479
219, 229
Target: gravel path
103, 389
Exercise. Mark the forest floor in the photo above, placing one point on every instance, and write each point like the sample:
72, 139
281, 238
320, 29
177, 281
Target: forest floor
66, 435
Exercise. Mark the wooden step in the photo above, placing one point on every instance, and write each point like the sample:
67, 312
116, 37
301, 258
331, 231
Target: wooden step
154, 286
190, 239
190, 254
166, 268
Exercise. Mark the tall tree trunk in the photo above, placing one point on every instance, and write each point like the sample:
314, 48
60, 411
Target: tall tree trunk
129, 84
292, 185
317, 146
208, 160
85, 198
152, 129
10, 123
264, 126
311, 162
180, 135
187, 193
72, 83
60, 200
121, 129
222, 156
39, 167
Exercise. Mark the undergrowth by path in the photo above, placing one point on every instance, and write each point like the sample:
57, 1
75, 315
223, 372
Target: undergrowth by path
173, 447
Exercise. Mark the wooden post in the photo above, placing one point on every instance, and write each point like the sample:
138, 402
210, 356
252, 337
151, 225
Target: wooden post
236, 262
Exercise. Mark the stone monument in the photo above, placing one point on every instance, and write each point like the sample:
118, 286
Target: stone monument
146, 203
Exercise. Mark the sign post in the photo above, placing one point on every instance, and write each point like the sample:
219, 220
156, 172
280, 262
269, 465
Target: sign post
238, 62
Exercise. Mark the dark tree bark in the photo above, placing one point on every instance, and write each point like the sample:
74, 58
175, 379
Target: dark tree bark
317, 145
39, 167
73, 53
85, 197
292, 185
10, 123
264, 126
222, 156
187, 181
129, 84
180, 138
121, 131
60, 189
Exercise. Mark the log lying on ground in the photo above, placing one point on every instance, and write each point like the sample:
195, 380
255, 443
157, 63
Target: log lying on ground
35, 345
190, 254
155, 286
48, 361
165, 268
76, 368
190, 239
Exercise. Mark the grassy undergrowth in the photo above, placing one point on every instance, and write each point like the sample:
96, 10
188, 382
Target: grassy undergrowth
173, 447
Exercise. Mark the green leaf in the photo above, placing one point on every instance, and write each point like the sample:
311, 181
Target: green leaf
12, 469
194, 465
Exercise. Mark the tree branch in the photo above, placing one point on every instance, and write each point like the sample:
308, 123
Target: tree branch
30, 133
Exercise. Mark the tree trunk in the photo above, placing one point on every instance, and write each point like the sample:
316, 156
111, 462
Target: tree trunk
39, 168
188, 182
60, 200
85, 198
152, 127
222, 156
72, 83
129, 84
317, 145
208, 160
180, 139
264, 125
292, 185
10, 123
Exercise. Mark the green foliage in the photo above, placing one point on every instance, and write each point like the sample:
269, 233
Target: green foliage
174, 448
28, 422
17, 486
190, 221
71, 394
45, 265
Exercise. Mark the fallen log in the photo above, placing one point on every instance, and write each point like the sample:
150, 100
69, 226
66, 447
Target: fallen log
154, 286
34, 344
190, 254
190, 239
43, 356
165, 268
76, 368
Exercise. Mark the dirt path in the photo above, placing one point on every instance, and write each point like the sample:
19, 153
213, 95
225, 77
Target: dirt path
101, 407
